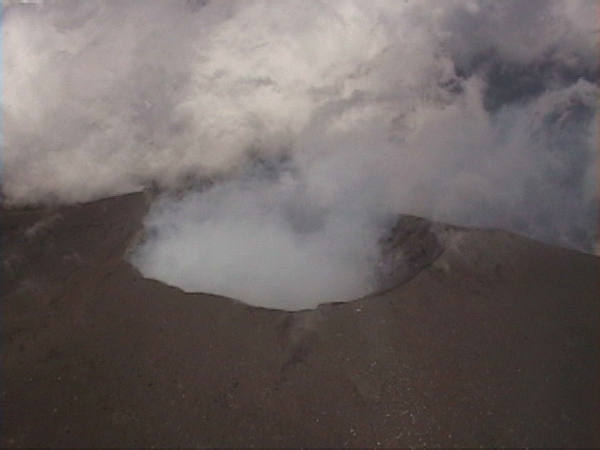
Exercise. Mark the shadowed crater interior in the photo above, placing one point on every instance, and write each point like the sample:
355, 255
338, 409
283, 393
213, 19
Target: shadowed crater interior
410, 245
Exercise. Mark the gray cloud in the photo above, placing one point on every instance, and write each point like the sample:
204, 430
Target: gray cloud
478, 113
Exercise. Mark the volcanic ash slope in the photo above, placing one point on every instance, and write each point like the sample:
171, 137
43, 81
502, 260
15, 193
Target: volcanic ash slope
494, 341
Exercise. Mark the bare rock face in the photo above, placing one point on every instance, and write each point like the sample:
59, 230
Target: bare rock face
410, 245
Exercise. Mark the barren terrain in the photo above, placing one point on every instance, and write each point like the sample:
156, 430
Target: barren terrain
495, 343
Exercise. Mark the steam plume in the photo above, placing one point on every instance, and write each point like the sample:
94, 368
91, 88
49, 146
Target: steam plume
290, 129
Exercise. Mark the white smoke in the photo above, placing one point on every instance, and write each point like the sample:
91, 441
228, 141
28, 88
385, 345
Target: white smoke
312, 120
262, 241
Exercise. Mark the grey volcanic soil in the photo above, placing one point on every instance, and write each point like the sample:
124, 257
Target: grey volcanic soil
493, 342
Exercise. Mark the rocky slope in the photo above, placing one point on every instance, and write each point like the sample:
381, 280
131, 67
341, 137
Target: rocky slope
492, 340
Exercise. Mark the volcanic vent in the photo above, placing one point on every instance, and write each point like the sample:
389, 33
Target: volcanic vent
287, 254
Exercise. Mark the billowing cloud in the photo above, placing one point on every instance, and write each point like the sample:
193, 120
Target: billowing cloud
333, 113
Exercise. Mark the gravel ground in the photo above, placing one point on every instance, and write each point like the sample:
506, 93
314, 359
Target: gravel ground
493, 342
